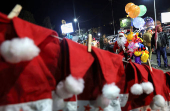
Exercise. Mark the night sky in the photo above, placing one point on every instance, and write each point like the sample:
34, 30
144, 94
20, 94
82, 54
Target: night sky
93, 13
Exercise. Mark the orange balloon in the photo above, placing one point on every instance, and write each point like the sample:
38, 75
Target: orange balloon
128, 6
134, 11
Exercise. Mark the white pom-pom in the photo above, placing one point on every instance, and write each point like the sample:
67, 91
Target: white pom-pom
147, 87
102, 102
18, 50
159, 101
153, 106
58, 103
61, 91
73, 85
111, 91
136, 89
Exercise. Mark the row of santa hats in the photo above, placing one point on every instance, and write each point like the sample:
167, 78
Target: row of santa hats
25, 49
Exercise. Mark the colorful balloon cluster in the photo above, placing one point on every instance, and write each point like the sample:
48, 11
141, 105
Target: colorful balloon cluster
137, 49
132, 10
136, 12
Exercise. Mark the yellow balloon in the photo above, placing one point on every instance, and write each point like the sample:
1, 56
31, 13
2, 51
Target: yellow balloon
137, 53
144, 56
130, 36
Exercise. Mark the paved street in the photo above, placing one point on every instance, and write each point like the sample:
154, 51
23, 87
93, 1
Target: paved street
154, 62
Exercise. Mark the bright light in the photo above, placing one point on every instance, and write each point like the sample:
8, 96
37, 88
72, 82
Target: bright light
165, 17
98, 34
124, 20
75, 20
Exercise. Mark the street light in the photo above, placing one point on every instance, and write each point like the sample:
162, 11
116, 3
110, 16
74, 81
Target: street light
76, 20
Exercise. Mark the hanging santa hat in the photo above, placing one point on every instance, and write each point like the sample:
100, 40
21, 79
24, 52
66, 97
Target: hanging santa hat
161, 90
74, 83
110, 64
143, 75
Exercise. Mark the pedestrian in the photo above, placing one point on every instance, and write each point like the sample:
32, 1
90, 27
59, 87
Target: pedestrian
147, 36
106, 45
161, 42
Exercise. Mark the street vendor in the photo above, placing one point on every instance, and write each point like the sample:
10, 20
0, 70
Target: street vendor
121, 44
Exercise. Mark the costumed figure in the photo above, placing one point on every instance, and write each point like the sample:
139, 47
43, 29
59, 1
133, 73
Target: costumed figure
121, 44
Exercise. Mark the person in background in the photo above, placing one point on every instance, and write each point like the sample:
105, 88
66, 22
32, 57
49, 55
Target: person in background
101, 41
140, 34
98, 45
121, 44
106, 45
147, 36
161, 42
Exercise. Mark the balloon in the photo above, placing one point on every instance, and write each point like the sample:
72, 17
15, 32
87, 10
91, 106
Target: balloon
145, 56
130, 36
148, 22
143, 10
134, 11
137, 53
128, 6
138, 22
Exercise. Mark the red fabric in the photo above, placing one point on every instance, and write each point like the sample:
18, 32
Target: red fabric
32, 80
117, 47
159, 82
96, 68
167, 78
142, 76
110, 64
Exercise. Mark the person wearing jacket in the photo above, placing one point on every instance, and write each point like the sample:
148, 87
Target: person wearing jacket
147, 36
160, 41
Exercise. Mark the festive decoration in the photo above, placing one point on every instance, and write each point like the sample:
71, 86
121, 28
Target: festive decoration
18, 50
149, 22
143, 10
130, 37
145, 56
138, 22
127, 7
134, 11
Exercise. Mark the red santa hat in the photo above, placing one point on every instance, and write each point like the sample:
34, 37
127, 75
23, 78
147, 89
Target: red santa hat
161, 90
74, 83
143, 75
121, 33
33, 80
110, 64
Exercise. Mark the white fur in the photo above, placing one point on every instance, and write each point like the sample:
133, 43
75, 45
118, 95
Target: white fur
61, 91
111, 91
159, 101
74, 85
102, 102
19, 49
58, 103
154, 107
121, 41
136, 89
147, 87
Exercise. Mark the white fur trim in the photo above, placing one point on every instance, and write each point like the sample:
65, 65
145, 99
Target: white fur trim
159, 101
136, 89
74, 85
147, 87
111, 91
61, 91
40, 105
102, 102
17, 50
121, 34
58, 103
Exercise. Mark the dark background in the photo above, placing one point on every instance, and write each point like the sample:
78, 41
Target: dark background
93, 13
